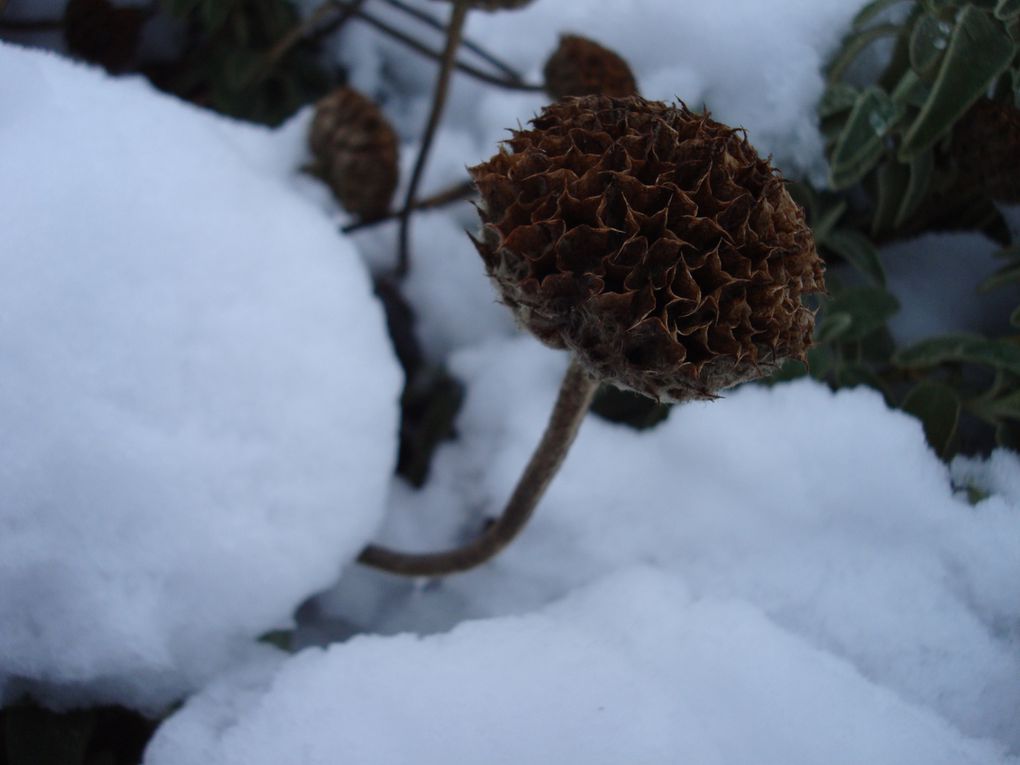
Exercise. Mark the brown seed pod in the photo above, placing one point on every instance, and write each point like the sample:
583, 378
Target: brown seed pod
582, 67
355, 151
100, 32
986, 147
651, 241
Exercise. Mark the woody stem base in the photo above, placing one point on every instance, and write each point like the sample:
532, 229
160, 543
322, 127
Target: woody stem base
575, 396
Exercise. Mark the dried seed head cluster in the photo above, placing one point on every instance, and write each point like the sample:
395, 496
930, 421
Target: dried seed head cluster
582, 67
355, 151
650, 240
986, 147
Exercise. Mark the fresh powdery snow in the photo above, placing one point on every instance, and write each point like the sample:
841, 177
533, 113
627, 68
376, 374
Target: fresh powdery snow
197, 396
631, 670
198, 408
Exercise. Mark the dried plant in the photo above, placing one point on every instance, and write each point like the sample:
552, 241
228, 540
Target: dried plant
653, 243
582, 67
355, 151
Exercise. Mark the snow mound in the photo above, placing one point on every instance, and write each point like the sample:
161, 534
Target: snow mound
191, 363
632, 670
828, 512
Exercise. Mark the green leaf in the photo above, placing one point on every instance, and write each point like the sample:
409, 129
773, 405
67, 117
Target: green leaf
933, 351
1007, 435
855, 248
893, 179
215, 13
979, 51
838, 97
854, 44
937, 406
1014, 318
36, 736
827, 220
868, 307
922, 166
860, 144
870, 11
819, 361
911, 90
928, 41
1007, 275
1004, 408
855, 375
1007, 9
832, 327
962, 348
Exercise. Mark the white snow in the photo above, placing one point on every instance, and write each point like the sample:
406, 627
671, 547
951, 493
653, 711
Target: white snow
826, 511
190, 361
197, 398
632, 670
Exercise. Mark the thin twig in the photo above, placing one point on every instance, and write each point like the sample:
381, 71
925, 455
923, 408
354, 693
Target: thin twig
454, 29
468, 44
306, 29
453, 194
576, 392
468, 69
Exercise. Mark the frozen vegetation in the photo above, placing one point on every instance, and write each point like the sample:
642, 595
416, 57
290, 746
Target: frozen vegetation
199, 409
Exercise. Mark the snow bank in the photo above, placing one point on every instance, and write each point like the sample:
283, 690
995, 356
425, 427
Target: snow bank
828, 512
633, 670
190, 363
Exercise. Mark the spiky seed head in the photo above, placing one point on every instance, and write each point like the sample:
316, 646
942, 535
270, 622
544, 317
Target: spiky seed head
355, 152
582, 67
650, 240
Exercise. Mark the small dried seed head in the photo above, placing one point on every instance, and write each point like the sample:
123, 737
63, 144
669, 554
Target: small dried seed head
355, 151
98, 31
986, 147
581, 67
651, 241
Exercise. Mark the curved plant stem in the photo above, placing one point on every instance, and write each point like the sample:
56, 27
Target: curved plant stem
453, 35
447, 196
576, 393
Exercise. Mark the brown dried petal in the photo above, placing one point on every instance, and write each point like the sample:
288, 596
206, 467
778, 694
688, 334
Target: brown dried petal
986, 147
650, 240
355, 151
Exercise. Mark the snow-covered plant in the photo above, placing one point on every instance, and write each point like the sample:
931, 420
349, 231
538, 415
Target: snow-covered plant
656, 246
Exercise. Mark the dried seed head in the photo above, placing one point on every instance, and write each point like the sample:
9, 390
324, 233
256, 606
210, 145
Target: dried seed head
986, 147
582, 67
355, 151
651, 241
98, 31
496, 5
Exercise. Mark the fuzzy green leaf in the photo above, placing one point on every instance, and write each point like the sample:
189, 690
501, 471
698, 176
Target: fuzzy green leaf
1007, 9
832, 327
855, 248
838, 97
997, 354
870, 11
868, 307
860, 144
937, 406
827, 220
928, 41
979, 51
922, 166
893, 179
1007, 275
